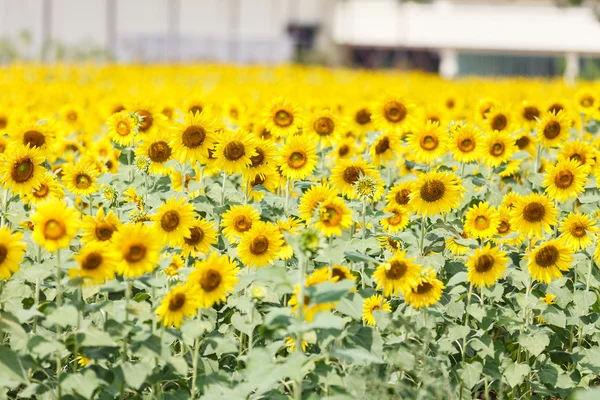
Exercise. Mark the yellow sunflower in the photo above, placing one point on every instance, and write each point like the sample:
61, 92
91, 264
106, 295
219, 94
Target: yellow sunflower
191, 139
55, 225
234, 150
12, 251
264, 160
341, 273
180, 303
323, 126
334, 216
149, 116
290, 226
310, 310
389, 244
96, 263
505, 228
383, 148
391, 114
281, 117
533, 214
455, 248
202, 237
399, 195
177, 262
396, 275
578, 231
586, 101
49, 188
565, 180
238, 220
548, 260
526, 142
81, 178
529, 112
158, 150
261, 245
398, 221
372, 304
122, 128
298, 158
582, 152
213, 279
425, 291
360, 117
312, 197
510, 199
138, 248
173, 221
20, 169
553, 129
436, 193
345, 149
499, 147
100, 228
36, 135
466, 144
347, 172
499, 118
486, 265
482, 221
427, 142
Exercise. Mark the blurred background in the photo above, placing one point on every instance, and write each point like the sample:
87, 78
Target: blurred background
546, 38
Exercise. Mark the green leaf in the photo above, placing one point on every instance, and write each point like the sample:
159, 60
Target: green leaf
476, 311
351, 305
515, 373
535, 342
134, 375
583, 301
359, 257
470, 373
241, 323
11, 369
328, 292
140, 296
94, 337
9, 324
83, 384
65, 316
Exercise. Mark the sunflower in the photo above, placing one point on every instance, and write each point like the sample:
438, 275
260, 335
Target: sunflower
177, 262
529, 113
499, 147
291, 344
397, 274
549, 259
334, 216
347, 172
341, 273
510, 199
553, 129
312, 197
499, 118
149, 117
138, 248
264, 160
425, 291
455, 248
578, 231
398, 221
360, 117
399, 195
533, 214
201, 238
428, 142
122, 128
55, 225
436, 193
372, 304
565, 180
261, 245
21, 170
48, 188
505, 228
191, 139
391, 114
12, 251
582, 152
466, 144
100, 228
388, 243
323, 126
238, 220
290, 226
174, 220
234, 150
181, 302
586, 101
310, 310
213, 279
298, 158
345, 149
383, 148
369, 188
526, 142
158, 150
34, 134
81, 178
486, 265
96, 263
482, 221
281, 117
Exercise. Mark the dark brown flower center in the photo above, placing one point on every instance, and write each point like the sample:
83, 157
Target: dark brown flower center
83, 181
563, 179
242, 223
170, 220
147, 121
466, 145
159, 152
503, 227
397, 270
530, 113
394, 111
34, 138
343, 150
41, 191
177, 301
402, 197
54, 229
3, 122
429, 142
324, 126
534, 212
555, 108
234, 150
497, 149
122, 128
211, 280
22, 170
578, 230
338, 273
258, 159
352, 173
330, 215
283, 118
259, 245
136, 252
3, 253
382, 145
423, 288
484, 263
104, 231
362, 117
92, 261
297, 160
432, 190
196, 109
193, 136
547, 256
196, 236
499, 122
552, 129
168, 112
523, 142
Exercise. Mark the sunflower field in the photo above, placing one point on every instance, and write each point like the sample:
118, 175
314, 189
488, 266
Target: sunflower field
229, 232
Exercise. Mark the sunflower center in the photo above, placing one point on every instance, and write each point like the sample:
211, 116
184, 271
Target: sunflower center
283, 118
196, 236
193, 136
258, 180
259, 245
297, 159
41, 191
547, 256
396, 270
499, 122
147, 121
530, 113
196, 108
466, 145
170, 220
555, 108
2, 147
34, 138
429, 142
211, 280
104, 231
234, 150
258, 159
343, 150
497, 149
72, 116
159, 152
136, 252
92, 261
534, 212
375, 308
167, 112
177, 301
362, 117
586, 101
83, 181
383, 145
552, 130
324, 126
402, 197
423, 288
578, 230
330, 215
3, 122
503, 227
338, 273
432, 190
3, 253
22, 170
563, 179
484, 263
54, 229
481, 222
352, 173
242, 223
580, 158
122, 128
394, 111
523, 142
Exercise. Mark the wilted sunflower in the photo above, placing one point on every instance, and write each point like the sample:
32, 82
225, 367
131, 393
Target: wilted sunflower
180, 303
158, 150
398, 221
391, 114
200, 239
20, 169
372, 304
553, 129
499, 147
466, 144
238, 220
81, 178
122, 128
48, 188
298, 158
436, 193
334, 216
290, 226
96, 263
191, 139
397, 274
427, 142
425, 291
281, 117
310, 310
213, 279
383, 148
100, 228
323, 126
548, 260
347, 172
173, 221
261, 245
138, 248
312, 197
12, 251
399, 195
533, 214
582, 152
234, 150
482, 221
486, 265
565, 180
55, 225
578, 231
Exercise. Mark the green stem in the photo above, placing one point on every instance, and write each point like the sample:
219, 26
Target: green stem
300, 304
364, 238
4, 208
422, 241
194, 369
126, 337
287, 197
75, 342
587, 289
58, 330
463, 350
